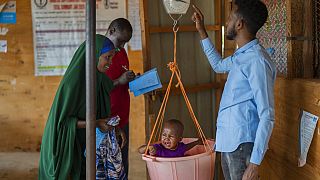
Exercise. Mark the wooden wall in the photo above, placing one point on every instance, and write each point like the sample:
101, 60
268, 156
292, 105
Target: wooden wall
291, 96
25, 100
281, 159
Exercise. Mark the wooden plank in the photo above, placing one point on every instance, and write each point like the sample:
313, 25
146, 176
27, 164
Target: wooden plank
219, 9
292, 95
145, 34
184, 28
308, 45
191, 88
146, 57
294, 28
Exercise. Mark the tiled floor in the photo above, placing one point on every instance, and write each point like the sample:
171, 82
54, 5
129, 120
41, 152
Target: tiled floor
22, 165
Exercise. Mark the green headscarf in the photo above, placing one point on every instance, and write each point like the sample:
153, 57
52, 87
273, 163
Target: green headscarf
60, 156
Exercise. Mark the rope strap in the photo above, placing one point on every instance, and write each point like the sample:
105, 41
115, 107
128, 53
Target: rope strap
173, 66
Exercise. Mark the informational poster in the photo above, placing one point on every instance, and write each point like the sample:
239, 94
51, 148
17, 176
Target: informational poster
134, 18
8, 14
307, 126
59, 28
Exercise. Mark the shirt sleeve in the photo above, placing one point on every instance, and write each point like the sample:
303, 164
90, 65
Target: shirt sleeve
119, 61
159, 149
218, 64
184, 148
261, 78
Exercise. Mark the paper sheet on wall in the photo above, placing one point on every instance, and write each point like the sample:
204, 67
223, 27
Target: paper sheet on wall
134, 18
59, 28
3, 46
307, 126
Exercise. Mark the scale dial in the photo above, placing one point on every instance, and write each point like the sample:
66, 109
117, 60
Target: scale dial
176, 6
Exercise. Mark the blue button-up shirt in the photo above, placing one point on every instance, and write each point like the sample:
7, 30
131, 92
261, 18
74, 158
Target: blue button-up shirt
246, 112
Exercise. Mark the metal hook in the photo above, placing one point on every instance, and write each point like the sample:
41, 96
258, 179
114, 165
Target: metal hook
175, 27
175, 22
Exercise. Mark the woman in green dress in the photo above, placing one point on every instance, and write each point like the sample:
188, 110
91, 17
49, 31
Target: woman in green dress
63, 141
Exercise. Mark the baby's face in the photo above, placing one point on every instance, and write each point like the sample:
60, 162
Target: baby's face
169, 138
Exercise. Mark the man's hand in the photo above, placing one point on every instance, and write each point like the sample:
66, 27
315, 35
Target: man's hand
152, 151
198, 18
102, 125
125, 78
251, 173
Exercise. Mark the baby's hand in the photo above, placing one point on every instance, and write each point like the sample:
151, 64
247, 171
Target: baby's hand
152, 150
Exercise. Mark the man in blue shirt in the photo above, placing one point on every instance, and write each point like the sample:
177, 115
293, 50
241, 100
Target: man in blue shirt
246, 114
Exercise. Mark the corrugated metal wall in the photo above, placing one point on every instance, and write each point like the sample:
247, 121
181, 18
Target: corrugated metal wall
194, 67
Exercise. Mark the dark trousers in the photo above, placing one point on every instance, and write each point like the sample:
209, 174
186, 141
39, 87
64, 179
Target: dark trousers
125, 150
235, 163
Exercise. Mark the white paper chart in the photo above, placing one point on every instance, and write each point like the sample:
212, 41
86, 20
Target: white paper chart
134, 18
59, 28
307, 126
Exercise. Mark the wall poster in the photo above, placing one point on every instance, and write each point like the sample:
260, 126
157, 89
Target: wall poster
59, 28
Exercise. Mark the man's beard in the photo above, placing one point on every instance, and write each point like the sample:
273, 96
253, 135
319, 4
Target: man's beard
231, 35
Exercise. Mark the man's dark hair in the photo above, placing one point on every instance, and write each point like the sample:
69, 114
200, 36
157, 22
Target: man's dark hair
121, 24
176, 124
253, 12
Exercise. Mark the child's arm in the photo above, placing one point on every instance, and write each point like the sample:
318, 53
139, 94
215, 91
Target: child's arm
193, 144
152, 150
142, 149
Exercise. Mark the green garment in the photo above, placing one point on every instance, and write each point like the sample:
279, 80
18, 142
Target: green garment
60, 156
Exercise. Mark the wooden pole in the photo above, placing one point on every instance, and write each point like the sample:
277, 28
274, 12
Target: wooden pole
90, 89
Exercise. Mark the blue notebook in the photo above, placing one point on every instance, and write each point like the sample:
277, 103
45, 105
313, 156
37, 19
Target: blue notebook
147, 82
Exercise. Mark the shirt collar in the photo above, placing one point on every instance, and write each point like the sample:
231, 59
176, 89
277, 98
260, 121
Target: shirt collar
246, 46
